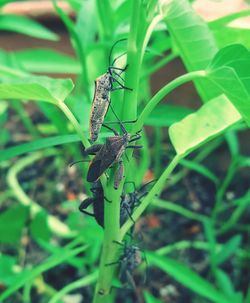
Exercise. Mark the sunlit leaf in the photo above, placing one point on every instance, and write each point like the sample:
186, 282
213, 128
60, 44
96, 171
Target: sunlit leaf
26, 26
36, 88
47, 61
209, 121
230, 71
192, 39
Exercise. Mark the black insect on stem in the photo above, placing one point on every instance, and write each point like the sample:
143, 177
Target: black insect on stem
128, 202
104, 84
130, 259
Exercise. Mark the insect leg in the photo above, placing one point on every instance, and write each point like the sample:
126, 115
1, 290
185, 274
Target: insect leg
121, 85
92, 150
134, 146
111, 128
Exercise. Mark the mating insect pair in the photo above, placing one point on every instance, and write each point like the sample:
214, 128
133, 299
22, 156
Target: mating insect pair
128, 202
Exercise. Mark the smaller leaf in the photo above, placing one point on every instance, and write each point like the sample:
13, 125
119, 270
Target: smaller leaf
23, 25
228, 249
12, 222
212, 119
36, 88
150, 298
41, 60
21, 149
7, 275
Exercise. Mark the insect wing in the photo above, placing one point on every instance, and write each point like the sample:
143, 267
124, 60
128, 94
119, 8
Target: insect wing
100, 105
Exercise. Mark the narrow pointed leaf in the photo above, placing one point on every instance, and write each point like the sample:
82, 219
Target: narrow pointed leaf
23, 25
36, 88
188, 278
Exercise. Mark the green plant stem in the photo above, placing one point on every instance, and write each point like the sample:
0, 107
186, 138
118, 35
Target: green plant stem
27, 122
162, 93
54, 223
85, 281
156, 189
105, 13
110, 251
129, 110
77, 46
64, 108
157, 151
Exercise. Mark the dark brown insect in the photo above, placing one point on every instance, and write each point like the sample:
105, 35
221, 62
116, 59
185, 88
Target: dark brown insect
130, 259
104, 85
128, 202
97, 201
110, 153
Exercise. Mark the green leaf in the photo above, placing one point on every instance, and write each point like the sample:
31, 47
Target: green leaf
187, 278
150, 298
212, 119
227, 286
7, 275
41, 219
228, 249
229, 35
165, 115
192, 39
47, 61
12, 222
230, 71
21, 149
26, 26
36, 88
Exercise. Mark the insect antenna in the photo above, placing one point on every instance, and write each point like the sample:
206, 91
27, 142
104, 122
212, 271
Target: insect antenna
79, 161
111, 51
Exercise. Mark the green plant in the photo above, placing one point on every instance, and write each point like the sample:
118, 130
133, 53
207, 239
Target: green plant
220, 72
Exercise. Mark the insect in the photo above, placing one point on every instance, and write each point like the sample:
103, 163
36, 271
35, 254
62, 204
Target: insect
128, 202
98, 203
130, 259
104, 84
110, 153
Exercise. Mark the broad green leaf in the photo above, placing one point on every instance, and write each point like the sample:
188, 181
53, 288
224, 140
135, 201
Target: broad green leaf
36, 88
7, 275
40, 219
230, 71
165, 115
26, 26
229, 35
47, 61
192, 39
187, 278
21, 149
212, 119
12, 222
228, 249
